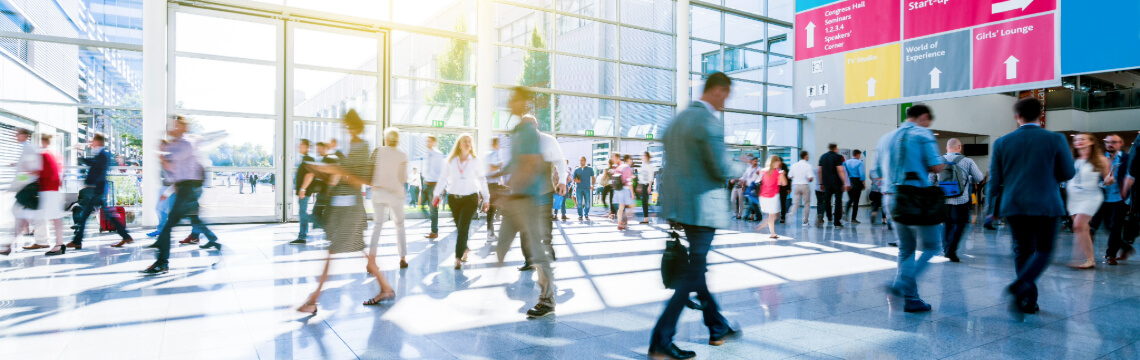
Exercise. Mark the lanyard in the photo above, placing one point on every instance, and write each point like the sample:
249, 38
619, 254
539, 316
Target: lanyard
462, 165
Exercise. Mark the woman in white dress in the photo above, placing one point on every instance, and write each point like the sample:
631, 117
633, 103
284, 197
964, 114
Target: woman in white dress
1084, 192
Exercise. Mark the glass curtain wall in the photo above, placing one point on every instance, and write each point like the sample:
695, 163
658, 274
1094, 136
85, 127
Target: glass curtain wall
71, 68
750, 42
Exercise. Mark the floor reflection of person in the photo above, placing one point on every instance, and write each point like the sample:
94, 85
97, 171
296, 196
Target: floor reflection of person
692, 195
346, 217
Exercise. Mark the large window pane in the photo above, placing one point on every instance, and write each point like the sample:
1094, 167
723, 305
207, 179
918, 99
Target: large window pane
450, 15
783, 131
522, 26
63, 73
578, 115
746, 96
651, 14
646, 83
585, 37
639, 120
226, 37
744, 64
781, 9
779, 99
743, 32
330, 95
704, 23
585, 75
523, 67
540, 106
602, 9
778, 41
706, 57
432, 57
779, 70
320, 131
105, 20
417, 102
335, 50
225, 86
743, 129
371, 9
753, 6
647, 48
228, 198
233, 141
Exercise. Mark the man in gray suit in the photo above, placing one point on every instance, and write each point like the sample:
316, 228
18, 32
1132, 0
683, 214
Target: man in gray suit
1027, 168
693, 196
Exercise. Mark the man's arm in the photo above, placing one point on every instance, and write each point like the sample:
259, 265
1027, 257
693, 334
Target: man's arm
843, 175
994, 187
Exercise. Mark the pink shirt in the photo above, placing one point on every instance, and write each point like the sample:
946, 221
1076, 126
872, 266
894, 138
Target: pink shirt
770, 185
626, 174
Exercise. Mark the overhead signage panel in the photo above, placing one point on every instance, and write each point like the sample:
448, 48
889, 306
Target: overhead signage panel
859, 53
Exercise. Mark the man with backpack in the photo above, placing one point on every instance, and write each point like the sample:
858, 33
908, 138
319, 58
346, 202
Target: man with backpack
956, 179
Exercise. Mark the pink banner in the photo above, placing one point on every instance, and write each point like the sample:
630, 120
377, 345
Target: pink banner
926, 17
846, 26
1015, 52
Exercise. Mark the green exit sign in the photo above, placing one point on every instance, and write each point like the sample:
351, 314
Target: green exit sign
589, 132
437, 123
648, 136
747, 142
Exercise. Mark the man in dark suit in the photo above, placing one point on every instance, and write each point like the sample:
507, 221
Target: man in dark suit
1027, 167
97, 181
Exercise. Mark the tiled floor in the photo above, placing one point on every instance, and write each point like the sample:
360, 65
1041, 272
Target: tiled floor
813, 294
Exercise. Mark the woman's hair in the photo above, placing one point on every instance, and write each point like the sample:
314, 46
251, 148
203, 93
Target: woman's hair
647, 155
626, 158
771, 159
353, 122
455, 149
1096, 154
391, 136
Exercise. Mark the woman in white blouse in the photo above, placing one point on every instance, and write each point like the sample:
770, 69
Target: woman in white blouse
464, 178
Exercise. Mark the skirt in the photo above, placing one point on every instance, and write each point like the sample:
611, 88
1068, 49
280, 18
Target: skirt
345, 227
624, 197
770, 205
51, 205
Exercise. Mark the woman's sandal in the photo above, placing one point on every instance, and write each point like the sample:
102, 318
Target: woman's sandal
301, 309
380, 298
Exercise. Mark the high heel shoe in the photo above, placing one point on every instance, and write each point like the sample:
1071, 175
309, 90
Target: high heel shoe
311, 313
62, 249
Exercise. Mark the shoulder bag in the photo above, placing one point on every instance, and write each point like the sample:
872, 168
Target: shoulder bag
674, 261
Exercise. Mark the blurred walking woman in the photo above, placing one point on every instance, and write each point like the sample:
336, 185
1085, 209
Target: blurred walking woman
623, 197
388, 192
465, 181
771, 179
345, 214
1084, 193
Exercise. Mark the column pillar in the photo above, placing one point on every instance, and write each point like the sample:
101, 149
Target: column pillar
683, 57
154, 104
484, 74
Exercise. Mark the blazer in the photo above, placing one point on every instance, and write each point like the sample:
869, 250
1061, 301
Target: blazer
97, 166
695, 170
1026, 172
389, 175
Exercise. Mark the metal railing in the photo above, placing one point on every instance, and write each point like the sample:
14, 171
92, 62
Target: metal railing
1062, 99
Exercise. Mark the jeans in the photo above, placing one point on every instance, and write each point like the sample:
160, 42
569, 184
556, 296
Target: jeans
644, 197
910, 268
801, 196
958, 217
700, 241
833, 198
306, 217
93, 203
1112, 214
429, 190
522, 215
583, 202
1034, 238
413, 195
853, 197
820, 209
876, 199
462, 208
562, 207
185, 205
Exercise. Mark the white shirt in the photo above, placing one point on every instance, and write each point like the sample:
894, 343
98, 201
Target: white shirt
433, 165
494, 159
463, 178
749, 175
645, 173
801, 173
711, 109
552, 153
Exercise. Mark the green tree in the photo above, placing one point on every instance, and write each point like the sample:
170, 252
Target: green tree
454, 64
536, 73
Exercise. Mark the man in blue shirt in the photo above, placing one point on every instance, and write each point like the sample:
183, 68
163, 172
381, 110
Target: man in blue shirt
584, 178
1113, 208
857, 174
907, 156
522, 210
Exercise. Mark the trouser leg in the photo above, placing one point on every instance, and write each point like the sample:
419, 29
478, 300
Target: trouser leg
303, 213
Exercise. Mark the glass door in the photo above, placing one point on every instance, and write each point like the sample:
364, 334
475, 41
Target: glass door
736, 156
330, 71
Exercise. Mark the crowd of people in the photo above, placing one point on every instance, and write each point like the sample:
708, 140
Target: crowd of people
1036, 180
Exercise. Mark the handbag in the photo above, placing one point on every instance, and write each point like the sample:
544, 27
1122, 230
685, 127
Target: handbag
29, 196
673, 261
917, 205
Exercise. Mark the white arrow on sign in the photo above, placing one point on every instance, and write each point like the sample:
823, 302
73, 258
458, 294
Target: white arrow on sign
871, 87
1010, 5
1011, 68
817, 103
934, 78
810, 34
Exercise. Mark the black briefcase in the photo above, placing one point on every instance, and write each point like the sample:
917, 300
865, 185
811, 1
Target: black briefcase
674, 261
